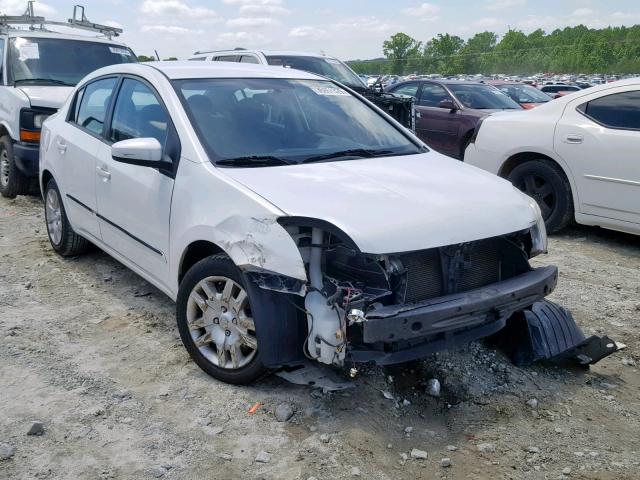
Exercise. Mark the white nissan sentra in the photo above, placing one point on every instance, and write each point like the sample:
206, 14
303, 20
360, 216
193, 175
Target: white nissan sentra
287, 216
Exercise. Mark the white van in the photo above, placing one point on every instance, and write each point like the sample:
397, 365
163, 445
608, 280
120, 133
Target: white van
38, 71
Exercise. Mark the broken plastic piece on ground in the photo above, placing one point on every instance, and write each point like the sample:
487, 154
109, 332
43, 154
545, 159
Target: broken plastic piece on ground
316, 375
548, 332
256, 406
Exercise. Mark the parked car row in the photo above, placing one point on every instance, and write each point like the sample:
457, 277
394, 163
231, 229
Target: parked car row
447, 111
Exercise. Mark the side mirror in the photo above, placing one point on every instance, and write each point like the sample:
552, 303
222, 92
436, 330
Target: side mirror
145, 152
448, 104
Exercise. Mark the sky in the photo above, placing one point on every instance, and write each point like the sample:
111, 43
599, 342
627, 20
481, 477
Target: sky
347, 29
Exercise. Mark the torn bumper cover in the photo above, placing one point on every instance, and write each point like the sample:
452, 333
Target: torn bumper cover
401, 333
548, 332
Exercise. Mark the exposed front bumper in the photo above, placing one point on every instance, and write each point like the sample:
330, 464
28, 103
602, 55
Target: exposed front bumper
400, 333
27, 158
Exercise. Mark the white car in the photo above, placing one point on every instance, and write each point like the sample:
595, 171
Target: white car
286, 216
578, 156
41, 68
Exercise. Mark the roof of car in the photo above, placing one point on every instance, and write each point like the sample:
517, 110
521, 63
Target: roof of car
290, 53
185, 69
62, 35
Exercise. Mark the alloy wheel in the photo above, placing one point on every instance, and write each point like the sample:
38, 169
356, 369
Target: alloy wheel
53, 215
541, 190
4, 168
220, 322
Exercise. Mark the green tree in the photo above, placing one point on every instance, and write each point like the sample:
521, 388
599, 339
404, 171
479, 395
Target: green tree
441, 54
145, 58
403, 53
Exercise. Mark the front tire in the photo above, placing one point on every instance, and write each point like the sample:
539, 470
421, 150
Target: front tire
546, 183
215, 321
12, 181
63, 239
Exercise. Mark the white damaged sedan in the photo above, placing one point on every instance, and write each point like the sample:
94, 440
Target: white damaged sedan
287, 216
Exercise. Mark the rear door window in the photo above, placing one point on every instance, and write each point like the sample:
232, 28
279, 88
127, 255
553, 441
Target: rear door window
410, 89
248, 59
226, 58
432, 95
93, 105
620, 110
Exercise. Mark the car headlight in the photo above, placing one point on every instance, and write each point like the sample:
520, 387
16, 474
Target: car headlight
538, 231
31, 120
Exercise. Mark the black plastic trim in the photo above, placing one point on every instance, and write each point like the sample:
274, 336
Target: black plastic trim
118, 227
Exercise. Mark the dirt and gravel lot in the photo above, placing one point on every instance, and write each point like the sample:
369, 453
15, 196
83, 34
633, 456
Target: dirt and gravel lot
91, 350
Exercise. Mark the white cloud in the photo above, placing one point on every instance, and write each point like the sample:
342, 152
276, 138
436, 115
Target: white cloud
251, 22
307, 31
240, 39
487, 23
168, 29
424, 10
583, 12
259, 9
177, 10
18, 7
253, 2
365, 25
503, 4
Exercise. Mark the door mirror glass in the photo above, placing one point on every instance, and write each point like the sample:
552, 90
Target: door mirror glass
448, 104
146, 152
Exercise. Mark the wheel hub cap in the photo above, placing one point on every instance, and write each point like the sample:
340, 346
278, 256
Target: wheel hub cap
220, 322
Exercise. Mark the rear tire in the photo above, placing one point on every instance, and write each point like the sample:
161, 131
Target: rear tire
63, 239
216, 326
546, 183
12, 181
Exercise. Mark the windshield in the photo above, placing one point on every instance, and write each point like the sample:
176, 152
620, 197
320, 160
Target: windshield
482, 97
54, 61
262, 122
524, 93
325, 66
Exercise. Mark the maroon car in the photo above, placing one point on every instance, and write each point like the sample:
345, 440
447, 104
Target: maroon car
447, 111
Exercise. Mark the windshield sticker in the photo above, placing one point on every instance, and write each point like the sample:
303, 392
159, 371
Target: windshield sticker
329, 91
29, 51
119, 51
332, 61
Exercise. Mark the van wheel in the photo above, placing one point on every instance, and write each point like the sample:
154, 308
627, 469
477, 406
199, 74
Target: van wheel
63, 239
12, 181
547, 184
215, 321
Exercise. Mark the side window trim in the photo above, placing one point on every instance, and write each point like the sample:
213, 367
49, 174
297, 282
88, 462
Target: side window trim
583, 109
79, 95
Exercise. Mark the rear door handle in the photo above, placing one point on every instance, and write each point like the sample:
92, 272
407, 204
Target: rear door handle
104, 173
62, 147
573, 138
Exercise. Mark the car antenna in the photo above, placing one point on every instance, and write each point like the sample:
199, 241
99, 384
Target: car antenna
8, 22
157, 56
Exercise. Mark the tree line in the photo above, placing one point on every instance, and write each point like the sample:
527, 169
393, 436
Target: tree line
570, 50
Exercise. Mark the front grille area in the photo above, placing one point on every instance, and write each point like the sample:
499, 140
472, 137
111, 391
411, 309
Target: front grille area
458, 268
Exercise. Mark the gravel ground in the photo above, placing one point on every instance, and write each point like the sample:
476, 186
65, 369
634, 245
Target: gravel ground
91, 351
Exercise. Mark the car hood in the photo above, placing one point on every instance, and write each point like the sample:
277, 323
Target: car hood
46, 95
395, 204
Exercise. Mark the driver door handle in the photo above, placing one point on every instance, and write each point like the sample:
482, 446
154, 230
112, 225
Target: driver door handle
573, 138
104, 173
